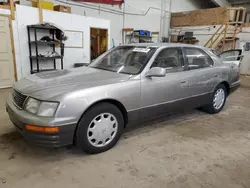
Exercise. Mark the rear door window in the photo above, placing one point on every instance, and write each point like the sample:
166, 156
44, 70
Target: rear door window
198, 59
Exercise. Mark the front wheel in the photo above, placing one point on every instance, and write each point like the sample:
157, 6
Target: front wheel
100, 128
218, 100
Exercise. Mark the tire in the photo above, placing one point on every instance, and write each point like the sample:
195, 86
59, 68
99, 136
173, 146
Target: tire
212, 108
95, 125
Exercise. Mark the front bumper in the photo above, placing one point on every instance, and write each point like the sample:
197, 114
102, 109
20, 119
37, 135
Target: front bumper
64, 137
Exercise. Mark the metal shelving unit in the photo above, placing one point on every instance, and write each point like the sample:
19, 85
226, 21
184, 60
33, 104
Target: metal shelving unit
36, 43
131, 36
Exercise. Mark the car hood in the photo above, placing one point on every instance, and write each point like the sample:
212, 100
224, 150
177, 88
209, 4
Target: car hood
46, 85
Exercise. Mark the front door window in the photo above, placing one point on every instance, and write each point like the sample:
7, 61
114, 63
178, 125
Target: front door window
171, 59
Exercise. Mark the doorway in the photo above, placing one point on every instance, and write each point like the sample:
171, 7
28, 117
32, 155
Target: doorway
6, 55
98, 42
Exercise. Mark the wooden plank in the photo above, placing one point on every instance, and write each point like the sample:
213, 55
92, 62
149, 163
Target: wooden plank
244, 74
13, 48
40, 11
5, 6
12, 9
211, 40
128, 29
213, 16
98, 43
244, 16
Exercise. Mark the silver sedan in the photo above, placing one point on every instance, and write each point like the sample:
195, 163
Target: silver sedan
91, 106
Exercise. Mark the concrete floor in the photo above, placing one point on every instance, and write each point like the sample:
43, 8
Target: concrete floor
191, 149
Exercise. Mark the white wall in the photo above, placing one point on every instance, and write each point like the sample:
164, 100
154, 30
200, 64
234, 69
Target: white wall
140, 14
186, 5
27, 15
4, 11
245, 37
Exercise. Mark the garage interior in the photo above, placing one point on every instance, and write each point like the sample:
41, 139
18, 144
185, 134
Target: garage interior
188, 149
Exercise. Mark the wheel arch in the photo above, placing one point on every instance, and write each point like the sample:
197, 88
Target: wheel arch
115, 102
226, 84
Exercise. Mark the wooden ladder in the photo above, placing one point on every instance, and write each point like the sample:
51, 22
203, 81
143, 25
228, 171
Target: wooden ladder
227, 32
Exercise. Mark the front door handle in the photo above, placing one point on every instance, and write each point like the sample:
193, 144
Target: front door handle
184, 82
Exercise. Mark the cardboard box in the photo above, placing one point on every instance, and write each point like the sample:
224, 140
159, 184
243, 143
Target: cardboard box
44, 4
174, 38
61, 8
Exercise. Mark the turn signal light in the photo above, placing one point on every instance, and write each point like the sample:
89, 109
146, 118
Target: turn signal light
42, 129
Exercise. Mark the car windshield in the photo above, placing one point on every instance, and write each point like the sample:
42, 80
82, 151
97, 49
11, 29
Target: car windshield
124, 59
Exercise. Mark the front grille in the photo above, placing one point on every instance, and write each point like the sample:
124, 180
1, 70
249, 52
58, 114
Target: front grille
18, 98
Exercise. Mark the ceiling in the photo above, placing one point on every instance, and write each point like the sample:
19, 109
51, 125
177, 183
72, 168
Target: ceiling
239, 2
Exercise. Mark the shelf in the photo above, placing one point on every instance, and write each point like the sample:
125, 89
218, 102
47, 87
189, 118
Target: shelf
37, 61
41, 27
41, 70
140, 36
45, 58
128, 29
143, 36
45, 43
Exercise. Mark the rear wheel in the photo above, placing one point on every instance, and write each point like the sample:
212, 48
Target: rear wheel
100, 128
218, 100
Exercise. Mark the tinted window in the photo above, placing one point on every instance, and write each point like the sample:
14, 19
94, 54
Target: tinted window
198, 59
171, 59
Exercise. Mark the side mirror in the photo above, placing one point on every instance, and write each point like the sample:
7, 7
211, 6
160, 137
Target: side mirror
156, 72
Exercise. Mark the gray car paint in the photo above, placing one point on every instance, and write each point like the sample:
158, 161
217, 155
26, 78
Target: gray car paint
78, 89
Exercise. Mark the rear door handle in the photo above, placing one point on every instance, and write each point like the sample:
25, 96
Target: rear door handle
184, 82
216, 75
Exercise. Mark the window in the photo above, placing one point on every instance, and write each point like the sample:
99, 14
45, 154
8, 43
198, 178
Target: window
232, 55
198, 59
124, 59
171, 59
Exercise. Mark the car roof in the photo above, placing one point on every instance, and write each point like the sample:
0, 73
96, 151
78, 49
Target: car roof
158, 45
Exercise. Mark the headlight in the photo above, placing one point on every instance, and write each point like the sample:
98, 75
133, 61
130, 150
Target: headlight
47, 109
32, 105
